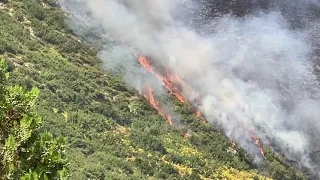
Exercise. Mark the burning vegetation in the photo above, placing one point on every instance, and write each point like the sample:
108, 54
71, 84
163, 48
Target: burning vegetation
171, 83
167, 79
155, 105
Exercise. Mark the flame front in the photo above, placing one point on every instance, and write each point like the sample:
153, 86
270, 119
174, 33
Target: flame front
257, 142
169, 82
198, 114
173, 89
144, 62
155, 105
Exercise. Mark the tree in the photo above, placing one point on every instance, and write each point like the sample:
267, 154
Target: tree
25, 153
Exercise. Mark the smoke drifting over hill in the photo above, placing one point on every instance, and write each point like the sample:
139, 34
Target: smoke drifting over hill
254, 70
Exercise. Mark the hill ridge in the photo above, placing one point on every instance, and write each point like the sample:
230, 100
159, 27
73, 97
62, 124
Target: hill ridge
93, 109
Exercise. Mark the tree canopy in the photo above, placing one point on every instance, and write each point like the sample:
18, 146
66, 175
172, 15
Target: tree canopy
25, 152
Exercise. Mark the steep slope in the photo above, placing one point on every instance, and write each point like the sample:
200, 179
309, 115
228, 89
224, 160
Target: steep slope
112, 131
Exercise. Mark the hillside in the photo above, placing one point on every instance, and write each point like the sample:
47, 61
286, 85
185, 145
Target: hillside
112, 131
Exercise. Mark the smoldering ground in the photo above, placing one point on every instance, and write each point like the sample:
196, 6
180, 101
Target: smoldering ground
252, 68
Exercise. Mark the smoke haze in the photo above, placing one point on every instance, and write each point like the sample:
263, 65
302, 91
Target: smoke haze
252, 72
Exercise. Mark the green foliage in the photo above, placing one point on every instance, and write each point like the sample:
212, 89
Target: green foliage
35, 9
53, 3
111, 131
26, 153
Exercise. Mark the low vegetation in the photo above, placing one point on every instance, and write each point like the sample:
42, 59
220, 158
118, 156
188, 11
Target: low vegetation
111, 131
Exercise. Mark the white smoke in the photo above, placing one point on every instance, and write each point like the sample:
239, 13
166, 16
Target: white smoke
253, 73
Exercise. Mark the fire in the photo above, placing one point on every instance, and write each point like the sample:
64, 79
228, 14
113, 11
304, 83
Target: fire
186, 135
155, 105
198, 114
255, 139
169, 82
257, 142
172, 88
144, 62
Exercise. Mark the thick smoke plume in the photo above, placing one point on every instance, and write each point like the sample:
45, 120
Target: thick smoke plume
253, 72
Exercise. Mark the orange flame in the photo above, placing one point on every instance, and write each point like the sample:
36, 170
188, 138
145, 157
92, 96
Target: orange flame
167, 80
155, 105
174, 90
198, 114
144, 62
257, 142
186, 135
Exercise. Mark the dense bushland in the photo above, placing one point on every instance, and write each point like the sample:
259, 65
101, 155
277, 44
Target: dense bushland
111, 131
